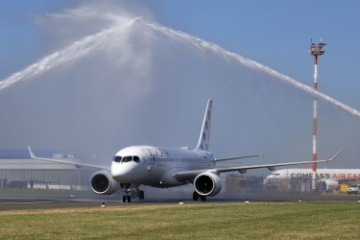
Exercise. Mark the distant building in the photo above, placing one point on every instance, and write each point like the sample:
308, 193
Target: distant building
19, 171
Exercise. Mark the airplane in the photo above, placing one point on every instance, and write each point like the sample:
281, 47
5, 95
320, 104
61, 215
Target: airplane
330, 177
168, 167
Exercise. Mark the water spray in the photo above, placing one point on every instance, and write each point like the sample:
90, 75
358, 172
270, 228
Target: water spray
201, 44
73, 52
84, 46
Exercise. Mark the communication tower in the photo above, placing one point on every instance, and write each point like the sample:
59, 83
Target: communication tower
315, 50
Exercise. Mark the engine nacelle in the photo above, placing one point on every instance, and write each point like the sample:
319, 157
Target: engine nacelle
207, 184
329, 185
102, 183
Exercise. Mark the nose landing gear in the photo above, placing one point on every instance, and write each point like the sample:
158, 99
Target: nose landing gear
127, 196
135, 192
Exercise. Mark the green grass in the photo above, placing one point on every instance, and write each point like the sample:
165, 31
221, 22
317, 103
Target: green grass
291, 220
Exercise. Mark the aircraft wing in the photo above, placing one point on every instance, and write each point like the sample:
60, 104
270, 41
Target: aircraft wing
190, 175
77, 164
240, 157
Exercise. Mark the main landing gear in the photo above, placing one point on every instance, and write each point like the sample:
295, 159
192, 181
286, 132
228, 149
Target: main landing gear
196, 197
126, 198
141, 194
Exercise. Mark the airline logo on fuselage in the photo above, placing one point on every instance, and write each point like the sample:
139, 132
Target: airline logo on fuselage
326, 175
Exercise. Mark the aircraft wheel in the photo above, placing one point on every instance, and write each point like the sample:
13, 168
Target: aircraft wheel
141, 195
195, 196
129, 199
203, 198
124, 199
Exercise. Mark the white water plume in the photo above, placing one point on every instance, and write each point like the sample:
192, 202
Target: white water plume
201, 44
82, 47
73, 52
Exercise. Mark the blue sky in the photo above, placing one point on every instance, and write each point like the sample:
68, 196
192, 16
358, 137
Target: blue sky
275, 33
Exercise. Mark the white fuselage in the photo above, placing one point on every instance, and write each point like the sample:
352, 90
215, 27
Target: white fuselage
157, 167
321, 174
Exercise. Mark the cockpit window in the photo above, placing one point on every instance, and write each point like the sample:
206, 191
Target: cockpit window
117, 159
127, 159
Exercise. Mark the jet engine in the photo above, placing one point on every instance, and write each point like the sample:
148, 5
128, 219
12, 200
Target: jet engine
102, 183
329, 185
207, 184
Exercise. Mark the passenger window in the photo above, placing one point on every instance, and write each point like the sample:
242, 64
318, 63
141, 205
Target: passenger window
136, 159
117, 159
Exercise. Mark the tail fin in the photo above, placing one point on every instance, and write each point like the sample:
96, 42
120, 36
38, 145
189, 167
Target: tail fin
204, 138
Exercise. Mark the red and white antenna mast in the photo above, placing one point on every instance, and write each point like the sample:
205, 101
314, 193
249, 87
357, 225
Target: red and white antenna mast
315, 50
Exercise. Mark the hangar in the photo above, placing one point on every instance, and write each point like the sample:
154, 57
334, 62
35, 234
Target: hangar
18, 170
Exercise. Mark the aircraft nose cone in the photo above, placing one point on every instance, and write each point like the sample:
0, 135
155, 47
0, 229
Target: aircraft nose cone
121, 171
116, 170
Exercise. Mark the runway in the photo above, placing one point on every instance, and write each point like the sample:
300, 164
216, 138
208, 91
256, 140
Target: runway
32, 203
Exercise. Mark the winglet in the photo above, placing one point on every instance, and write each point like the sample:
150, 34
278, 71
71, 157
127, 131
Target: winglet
32, 155
336, 154
204, 138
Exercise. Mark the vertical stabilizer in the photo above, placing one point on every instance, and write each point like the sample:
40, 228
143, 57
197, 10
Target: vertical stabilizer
204, 138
